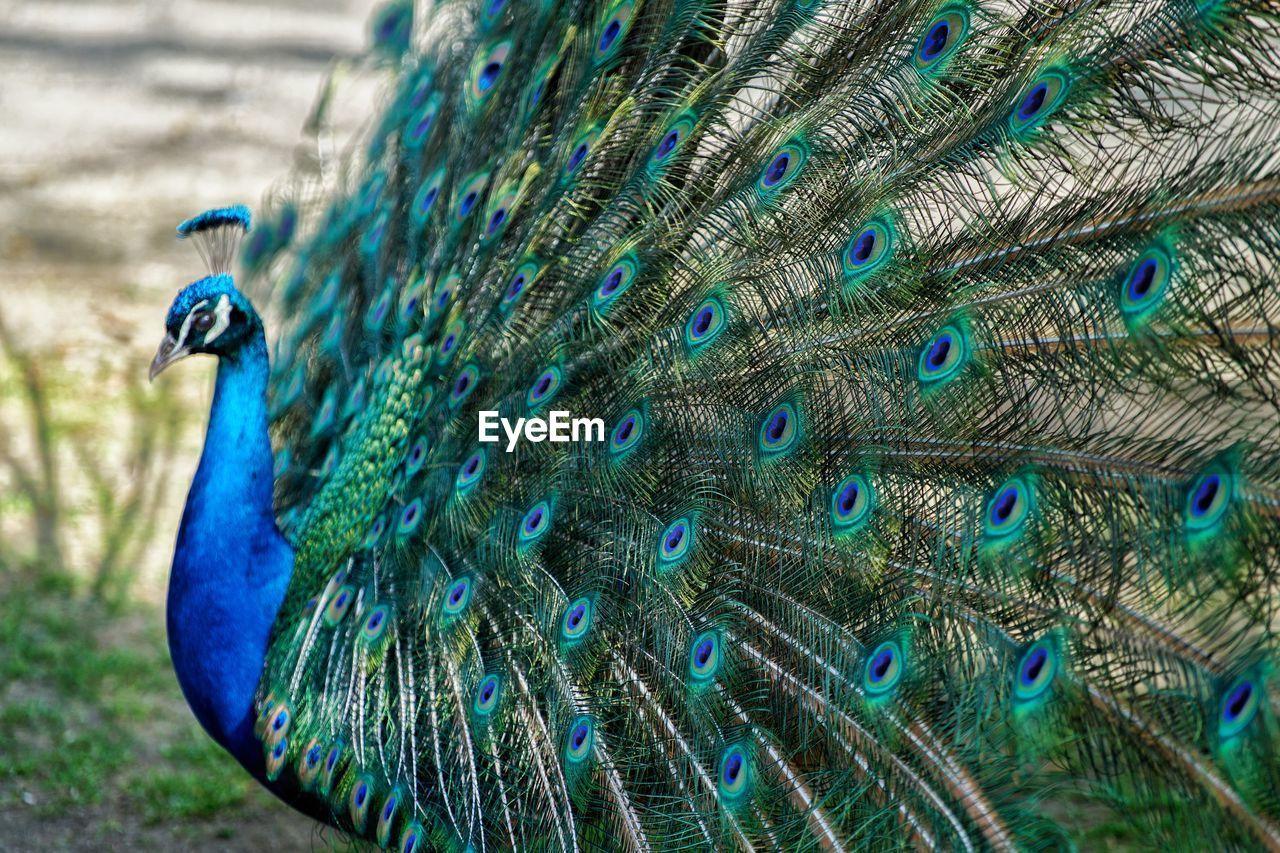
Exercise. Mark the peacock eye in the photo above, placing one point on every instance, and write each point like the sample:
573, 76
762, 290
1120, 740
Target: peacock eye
203, 321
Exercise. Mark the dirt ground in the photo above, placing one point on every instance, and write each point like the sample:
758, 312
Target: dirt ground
121, 119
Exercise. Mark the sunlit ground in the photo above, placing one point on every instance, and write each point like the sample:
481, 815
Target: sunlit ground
120, 119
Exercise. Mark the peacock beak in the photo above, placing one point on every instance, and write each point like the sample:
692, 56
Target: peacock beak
168, 353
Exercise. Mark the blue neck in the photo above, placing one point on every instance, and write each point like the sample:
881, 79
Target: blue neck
231, 565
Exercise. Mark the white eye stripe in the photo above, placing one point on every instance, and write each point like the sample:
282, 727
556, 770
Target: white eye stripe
186, 323
223, 314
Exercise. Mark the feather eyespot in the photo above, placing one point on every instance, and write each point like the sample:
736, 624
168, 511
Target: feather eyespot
495, 221
704, 657
358, 802
883, 669
1008, 508
445, 294
328, 773
868, 249
1141, 280
487, 695
536, 522
491, 9
422, 88
851, 503
448, 345
670, 142
537, 87
410, 518
393, 27
500, 211
457, 597
410, 837
470, 472
310, 763
576, 620
331, 459
779, 431
409, 309
1033, 101
667, 145
675, 543
1039, 100
615, 282
941, 38
614, 30
372, 193
463, 384
734, 773
276, 755
376, 624
278, 722
1035, 670
519, 283
626, 433
1146, 285
339, 578
426, 197
415, 458
705, 324
610, 34
943, 356
355, 400
420, 125
777, 169
578, 152
339, 605
544, 387
372, 240
580, 740
1208, 499
486, 70
786, 163
468, 195
386, 818
328, 409
1240, 704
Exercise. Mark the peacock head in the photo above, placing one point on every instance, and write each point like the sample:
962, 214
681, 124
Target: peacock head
210, 315
207, 316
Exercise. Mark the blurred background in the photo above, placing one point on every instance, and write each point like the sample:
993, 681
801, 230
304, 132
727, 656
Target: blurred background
120, 119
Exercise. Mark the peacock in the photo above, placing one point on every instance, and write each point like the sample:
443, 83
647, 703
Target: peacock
935, 499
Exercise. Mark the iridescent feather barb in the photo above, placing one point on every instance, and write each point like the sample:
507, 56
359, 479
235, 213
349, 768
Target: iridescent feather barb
938, 504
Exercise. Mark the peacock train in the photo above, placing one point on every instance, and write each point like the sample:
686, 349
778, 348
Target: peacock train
936, 500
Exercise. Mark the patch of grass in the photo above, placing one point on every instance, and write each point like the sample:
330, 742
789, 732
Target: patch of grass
61, 745
194, 780
57, 642
91, 717
70, 767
